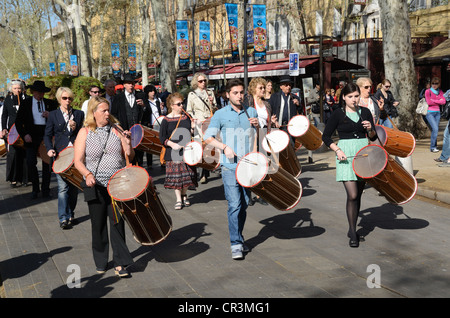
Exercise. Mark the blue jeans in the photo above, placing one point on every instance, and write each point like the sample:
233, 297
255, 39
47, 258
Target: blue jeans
386, 123
67, 199
238, 198
433, 119
445, 155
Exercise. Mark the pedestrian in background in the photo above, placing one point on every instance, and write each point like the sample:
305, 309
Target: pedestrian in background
435, 99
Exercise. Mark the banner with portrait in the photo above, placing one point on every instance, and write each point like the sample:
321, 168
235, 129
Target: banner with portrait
183, 44
115, 59
259, 33
205, 44
132, 58
62, 68
52, 69
73, 65
232, 13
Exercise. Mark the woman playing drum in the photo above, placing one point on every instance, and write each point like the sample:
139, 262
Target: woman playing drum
103, 148
353, 124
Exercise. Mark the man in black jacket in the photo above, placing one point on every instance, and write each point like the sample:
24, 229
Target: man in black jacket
30, 124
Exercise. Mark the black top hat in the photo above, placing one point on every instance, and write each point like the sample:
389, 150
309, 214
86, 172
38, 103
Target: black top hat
39, 86
285, 79
128, 78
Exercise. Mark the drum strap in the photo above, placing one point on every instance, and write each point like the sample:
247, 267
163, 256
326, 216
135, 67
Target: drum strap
209, 108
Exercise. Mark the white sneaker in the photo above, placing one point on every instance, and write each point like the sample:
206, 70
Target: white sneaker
236, 252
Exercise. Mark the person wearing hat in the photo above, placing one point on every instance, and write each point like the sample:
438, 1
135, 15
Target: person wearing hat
30, 124
129, 108
285, 105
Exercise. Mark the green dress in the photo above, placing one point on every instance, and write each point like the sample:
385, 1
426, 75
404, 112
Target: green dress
344, 169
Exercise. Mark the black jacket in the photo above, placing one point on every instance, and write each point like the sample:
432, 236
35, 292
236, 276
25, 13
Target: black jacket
275, 103
119, 110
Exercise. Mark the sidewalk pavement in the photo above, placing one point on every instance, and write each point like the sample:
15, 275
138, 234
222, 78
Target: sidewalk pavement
300, 253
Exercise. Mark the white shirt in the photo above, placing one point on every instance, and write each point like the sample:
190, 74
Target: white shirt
155, 109
37, 114
130, 98
262, 115
84, 107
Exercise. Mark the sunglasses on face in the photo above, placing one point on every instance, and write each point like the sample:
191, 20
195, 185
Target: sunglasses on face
202, 81
178, 104
66, 98
434, 83
387, 86
367, 87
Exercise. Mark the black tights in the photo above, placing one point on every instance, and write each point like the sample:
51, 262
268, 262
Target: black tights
354, 191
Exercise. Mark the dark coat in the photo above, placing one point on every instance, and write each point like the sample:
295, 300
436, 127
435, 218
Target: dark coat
119, 110
9, 113
275, 103
57, 127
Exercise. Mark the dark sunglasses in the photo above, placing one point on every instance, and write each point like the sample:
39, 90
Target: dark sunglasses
201, 81
367, 87
66, 98
95, 92
387, 86
434, 83
178, 104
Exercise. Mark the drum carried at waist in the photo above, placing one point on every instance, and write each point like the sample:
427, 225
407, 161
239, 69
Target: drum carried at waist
64, 166
308, 135
14, 138
202, 155
376, 167
42, 153
277, 143
3, 150
263, 177
396, 142
135, 197
145, 139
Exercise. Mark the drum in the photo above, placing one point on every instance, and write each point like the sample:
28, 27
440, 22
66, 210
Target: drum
42, 153
145, 139
135, 197
202, 155
275, 185
14, 138
64, 166
3, 150
397, 143
277, 143
300, 128
374, 165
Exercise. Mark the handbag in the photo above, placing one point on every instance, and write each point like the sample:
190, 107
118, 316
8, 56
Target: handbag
446, 111
315, 108
422, 107
90, 193
163, 149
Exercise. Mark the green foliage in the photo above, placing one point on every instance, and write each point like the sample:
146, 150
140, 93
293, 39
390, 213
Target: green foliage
79, 85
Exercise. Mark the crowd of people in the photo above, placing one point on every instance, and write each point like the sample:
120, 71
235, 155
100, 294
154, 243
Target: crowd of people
100, 135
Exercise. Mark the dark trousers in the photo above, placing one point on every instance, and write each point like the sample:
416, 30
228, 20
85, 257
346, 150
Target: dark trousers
100, 210
32, 151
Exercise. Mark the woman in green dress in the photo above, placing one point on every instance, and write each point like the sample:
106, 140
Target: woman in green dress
355, 127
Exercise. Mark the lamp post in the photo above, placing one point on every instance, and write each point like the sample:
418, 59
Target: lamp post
192, 4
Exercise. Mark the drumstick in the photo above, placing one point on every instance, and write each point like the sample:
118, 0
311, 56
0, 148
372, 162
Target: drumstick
119, 129
357, 156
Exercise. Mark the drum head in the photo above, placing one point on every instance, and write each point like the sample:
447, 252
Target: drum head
128, 183
157, 123
137, 133
370, 161
382, 135
193, 153
298, 125
276, 141
13, 135
64, 160
251, 169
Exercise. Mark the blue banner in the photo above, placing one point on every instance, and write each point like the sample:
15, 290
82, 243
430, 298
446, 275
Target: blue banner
115, 59
52, 69
73, 65
205, 44
132, 58
34, 72
259, 33
232, 12
62, 68
183, 44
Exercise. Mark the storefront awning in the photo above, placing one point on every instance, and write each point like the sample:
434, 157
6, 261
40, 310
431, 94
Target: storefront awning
436, 55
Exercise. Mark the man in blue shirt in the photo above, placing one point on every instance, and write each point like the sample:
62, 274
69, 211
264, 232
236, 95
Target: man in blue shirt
237, 126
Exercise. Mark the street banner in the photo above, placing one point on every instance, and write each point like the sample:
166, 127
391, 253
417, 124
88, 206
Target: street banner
293, 64
62, 68
183, 44
52, 69
232, 12
115, 59
205, 44
73, 65
132, 58
34, 72
44, 72
259, 33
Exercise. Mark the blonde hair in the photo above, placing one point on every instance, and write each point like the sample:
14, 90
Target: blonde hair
62, 90
360, 81
194, 82
255, 82
92, 107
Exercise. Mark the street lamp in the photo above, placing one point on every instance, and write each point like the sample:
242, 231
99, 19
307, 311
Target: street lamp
192, 4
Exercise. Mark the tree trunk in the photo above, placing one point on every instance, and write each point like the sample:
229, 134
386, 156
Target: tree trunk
145, 31
399, 63
166, 44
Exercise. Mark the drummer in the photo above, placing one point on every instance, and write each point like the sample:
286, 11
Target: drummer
234, 123
355, 126
104, 149
62, 126
174, 134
